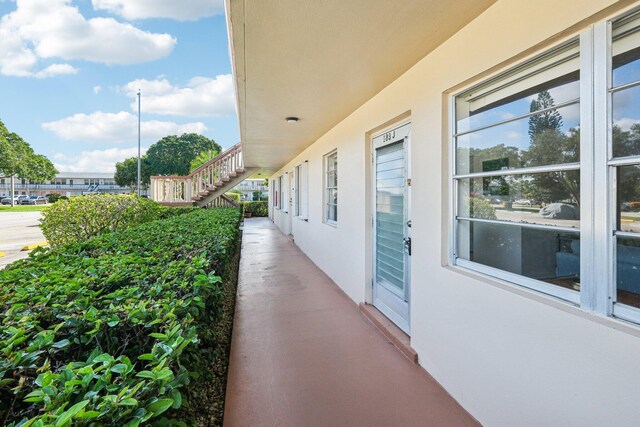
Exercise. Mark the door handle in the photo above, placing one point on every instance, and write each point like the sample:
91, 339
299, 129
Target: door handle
407, 244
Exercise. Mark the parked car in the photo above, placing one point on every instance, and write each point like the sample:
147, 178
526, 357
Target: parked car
27, 200
7, 200
40, 200
523, 202
17, 200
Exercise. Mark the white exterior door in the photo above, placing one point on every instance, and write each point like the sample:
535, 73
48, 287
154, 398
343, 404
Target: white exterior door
391, 225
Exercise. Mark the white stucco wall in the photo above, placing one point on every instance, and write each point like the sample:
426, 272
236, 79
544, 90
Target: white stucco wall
508, 355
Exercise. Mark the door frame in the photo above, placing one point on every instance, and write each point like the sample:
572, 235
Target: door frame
291, 189
404, 324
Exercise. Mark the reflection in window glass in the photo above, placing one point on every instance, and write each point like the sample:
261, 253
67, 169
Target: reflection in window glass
550, 198
473, 114
542, 139
522, 224
626, 122
547, 255
625, 139
628, 198
626, 51
628, 271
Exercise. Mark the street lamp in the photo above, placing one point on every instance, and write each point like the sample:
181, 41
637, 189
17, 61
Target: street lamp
139, 143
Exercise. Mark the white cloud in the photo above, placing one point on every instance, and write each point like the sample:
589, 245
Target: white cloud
201, 96
44, 29
94, 160
625, 123
116, 127
97, 89
514, 135
185, 10
55, 70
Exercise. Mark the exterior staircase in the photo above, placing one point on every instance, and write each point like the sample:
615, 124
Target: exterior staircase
206, 185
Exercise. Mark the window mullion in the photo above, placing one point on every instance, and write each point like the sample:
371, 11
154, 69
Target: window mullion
600, 266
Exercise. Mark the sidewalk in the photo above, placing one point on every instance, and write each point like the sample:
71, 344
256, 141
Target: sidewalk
303, 355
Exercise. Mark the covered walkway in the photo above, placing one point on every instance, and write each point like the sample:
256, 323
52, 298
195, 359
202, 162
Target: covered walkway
303, 355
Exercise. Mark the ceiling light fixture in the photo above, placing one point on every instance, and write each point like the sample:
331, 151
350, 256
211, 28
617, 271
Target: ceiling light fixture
292, 119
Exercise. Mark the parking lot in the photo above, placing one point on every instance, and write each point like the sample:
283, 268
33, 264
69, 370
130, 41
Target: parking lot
17, 230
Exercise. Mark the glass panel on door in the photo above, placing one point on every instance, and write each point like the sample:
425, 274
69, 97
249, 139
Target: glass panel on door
390, 213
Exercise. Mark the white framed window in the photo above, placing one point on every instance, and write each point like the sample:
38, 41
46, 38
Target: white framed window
301, 196
278, 198
331, 188
285, 192
536, 153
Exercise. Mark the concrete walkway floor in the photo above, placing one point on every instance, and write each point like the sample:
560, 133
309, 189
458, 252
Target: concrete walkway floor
303, 355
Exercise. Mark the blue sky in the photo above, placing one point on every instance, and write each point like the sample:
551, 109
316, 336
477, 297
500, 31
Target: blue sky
69, 71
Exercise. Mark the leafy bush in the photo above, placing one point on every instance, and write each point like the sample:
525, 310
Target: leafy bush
52, 198
234, 196
480, 208
108, 331
79, 218
255, 208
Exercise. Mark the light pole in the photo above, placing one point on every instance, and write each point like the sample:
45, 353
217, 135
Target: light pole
139, 143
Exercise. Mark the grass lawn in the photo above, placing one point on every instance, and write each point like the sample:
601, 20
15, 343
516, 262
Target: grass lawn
25, 208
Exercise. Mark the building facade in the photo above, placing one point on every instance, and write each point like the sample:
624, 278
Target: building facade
249, 189
65, 184
470, 169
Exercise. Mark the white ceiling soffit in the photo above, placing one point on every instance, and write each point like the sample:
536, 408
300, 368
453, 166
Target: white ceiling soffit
320, 60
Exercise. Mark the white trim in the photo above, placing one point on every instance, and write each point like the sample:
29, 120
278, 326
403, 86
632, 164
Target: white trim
325, 188
626, 312
520, 117
518, 280
599, 269
296, 191
521, 171
558, 228
304, 196
588, 287
624, 161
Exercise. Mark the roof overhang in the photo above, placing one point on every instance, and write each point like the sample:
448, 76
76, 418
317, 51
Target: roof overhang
321, 60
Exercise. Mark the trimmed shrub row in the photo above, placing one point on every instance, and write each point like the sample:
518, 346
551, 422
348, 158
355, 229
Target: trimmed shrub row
79, 218
255, 208
110, 330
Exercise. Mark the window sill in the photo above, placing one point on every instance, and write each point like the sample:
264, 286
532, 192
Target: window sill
333, 224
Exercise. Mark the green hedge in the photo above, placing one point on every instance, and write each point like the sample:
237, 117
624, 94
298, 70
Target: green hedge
255, 208
110, 330
234, 196
79, 218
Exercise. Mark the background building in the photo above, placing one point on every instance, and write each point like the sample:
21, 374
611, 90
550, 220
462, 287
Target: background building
249, 187
65, 184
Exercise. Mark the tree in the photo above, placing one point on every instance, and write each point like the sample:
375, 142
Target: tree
627, 143
172, 155
127, 173
19, 159
41, 169
549, 120
203, 158
550, 146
